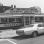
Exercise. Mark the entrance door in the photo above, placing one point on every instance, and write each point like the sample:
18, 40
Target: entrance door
26, 21
32, 20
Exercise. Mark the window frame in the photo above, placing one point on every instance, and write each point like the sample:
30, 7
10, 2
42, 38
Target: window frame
12, 21
2, 19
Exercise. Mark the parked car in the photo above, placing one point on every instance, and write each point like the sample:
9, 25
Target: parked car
33, 29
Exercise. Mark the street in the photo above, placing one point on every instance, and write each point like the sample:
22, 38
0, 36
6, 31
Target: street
24, 40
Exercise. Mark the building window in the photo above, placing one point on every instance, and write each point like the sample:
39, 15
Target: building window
3, 20
11, 19
38, 19
19, 20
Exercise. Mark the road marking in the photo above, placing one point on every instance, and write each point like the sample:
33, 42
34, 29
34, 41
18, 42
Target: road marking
10, 41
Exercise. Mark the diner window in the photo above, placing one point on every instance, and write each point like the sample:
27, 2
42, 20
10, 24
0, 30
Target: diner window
36, 19
11, 19
3, 20
39, 19
19, 20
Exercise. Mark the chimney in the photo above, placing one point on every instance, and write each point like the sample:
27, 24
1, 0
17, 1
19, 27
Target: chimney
14, 6
11, 6
1, 4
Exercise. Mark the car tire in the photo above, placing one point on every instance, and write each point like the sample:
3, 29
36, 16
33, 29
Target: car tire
34, 34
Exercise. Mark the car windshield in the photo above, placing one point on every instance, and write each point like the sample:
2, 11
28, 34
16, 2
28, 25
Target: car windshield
31, 25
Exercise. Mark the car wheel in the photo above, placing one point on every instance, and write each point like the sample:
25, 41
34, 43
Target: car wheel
34, 34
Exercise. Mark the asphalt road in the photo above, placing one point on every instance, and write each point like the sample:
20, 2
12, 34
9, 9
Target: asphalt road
30, 40
24, 40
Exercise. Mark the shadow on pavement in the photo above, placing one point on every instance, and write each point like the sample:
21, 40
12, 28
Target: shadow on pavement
22, 37
41, 34
25, 37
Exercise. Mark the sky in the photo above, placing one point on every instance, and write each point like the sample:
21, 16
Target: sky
24, 3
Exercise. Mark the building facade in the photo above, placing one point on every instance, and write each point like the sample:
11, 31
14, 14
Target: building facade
24, 10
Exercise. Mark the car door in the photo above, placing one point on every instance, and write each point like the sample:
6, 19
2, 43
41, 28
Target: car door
40, 28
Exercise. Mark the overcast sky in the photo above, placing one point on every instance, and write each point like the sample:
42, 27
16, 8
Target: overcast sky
24, 3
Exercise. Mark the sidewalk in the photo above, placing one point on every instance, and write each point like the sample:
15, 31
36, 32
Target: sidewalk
8, 33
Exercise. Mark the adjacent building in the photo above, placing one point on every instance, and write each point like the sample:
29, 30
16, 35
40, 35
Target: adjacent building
3, 8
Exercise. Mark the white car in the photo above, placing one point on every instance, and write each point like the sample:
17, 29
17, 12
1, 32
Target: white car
33, 29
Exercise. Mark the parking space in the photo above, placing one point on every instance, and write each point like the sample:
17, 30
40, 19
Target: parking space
23, 40
6, 41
